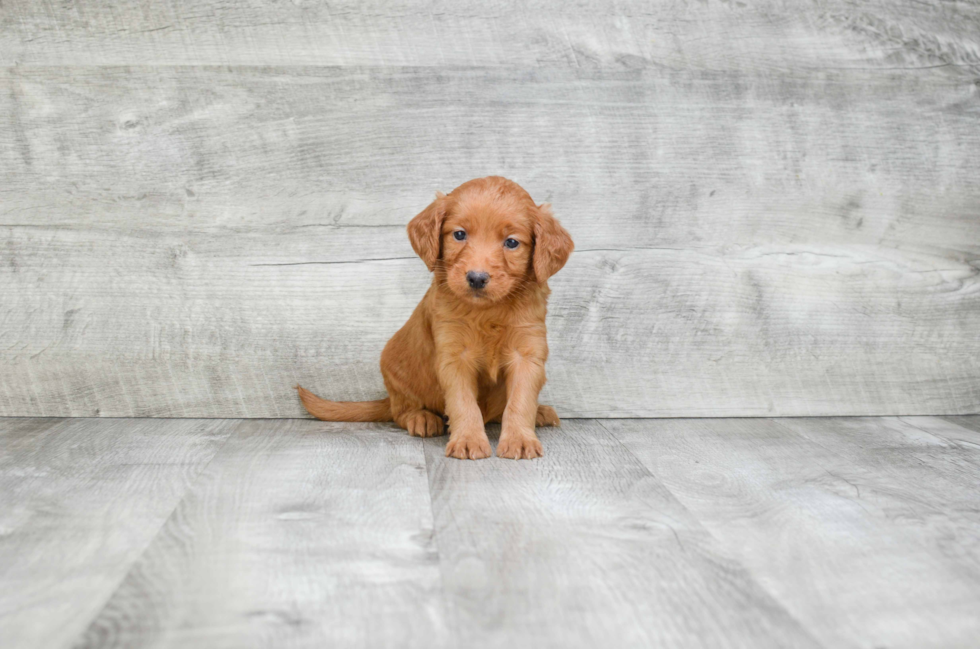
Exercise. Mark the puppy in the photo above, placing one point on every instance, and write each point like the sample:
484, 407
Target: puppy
475, 347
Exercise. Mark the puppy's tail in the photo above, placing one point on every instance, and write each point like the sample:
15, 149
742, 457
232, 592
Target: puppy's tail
379, 410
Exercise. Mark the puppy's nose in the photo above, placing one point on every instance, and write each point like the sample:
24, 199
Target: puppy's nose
477, 278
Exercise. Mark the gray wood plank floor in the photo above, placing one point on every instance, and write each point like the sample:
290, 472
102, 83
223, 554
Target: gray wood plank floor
834, 532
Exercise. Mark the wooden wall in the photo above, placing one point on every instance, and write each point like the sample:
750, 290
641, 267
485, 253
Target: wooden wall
776, 205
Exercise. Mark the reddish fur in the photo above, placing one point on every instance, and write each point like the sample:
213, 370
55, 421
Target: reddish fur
379, 410
473, 358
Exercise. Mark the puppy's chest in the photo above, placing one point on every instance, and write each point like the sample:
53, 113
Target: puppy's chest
484, 346
493, 351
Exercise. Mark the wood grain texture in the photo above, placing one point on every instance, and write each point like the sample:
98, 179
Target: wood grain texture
840, 532
799, 34
865, 529
585, 548
970, 423
81, 501
193, 241
298, 534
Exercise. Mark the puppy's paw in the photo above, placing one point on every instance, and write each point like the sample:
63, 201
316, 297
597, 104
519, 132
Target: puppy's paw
468, 447
546, 417
517, 446
424, 423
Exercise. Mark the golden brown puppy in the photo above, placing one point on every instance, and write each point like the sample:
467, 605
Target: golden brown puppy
475, 347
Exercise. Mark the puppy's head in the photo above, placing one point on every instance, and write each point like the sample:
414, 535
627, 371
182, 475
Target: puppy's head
487, 240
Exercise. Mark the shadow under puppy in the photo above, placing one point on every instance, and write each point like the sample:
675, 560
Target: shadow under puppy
476, 345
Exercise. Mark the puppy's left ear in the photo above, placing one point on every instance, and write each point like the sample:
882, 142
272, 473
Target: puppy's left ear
425, 231
552, 244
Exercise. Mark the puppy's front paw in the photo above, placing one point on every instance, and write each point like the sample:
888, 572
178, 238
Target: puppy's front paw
517, 446
468, 447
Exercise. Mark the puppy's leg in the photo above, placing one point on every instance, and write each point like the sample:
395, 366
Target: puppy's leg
525, 377
413, 391
467, 437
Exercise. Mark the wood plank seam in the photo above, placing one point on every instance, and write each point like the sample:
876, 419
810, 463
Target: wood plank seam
189, 484
720, 541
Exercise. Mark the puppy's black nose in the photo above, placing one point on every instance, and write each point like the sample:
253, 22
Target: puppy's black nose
477, 279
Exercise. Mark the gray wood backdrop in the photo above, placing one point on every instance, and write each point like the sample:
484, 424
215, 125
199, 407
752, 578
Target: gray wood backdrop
776, 204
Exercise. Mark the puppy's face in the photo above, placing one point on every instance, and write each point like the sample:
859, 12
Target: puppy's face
486, 249
487, 240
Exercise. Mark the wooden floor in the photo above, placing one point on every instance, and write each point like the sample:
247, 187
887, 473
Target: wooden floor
825, 532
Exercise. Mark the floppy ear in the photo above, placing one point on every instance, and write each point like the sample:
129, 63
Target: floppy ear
425, 231
552, 244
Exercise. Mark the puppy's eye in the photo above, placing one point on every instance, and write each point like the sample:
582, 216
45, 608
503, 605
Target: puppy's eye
459, 235
511, 243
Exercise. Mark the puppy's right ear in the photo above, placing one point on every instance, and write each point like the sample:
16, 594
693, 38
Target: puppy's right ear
425, 231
